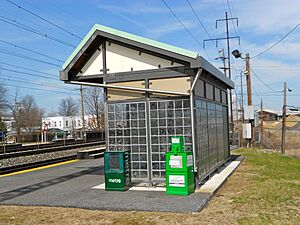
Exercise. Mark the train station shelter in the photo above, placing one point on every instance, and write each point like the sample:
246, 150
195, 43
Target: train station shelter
154, 91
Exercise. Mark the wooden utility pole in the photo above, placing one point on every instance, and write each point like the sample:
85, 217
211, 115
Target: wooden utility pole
242, 97
82, 112
283, 120
261, 122
249, 90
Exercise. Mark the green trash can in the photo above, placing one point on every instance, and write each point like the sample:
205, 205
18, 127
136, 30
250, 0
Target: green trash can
179, 169
117, 171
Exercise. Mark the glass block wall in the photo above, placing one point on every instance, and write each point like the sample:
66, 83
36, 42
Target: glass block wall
127, 131
211, 135
168, 118
127, 128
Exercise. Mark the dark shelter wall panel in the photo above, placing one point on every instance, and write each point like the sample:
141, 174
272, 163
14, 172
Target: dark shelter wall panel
211, 136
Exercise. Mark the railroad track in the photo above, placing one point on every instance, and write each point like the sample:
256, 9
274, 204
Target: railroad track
15, 168
47, 150
18, 147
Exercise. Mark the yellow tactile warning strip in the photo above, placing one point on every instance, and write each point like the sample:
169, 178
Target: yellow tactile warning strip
38, 168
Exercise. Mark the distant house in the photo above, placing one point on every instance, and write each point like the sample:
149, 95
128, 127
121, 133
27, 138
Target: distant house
270, 115
274, 115
68, 123
9, 122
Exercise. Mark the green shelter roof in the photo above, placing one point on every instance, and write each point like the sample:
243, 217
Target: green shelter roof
143, 40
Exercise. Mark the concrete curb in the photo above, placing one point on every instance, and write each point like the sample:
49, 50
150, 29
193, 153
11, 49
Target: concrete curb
217, 180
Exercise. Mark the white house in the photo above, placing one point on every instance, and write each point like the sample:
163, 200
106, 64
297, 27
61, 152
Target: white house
9, 122
67, 123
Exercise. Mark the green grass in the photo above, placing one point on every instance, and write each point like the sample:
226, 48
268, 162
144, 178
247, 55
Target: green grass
271, 191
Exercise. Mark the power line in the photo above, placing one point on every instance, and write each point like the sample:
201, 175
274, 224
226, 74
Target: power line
255, 74
276, 43
31, 88
42, 18
32, 30
52, 85
29, 74
29, 50
27, 57
200, 22
198, 19
185, 27
24, 68
229, 8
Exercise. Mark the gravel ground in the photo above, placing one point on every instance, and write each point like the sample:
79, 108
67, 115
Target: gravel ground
39, 157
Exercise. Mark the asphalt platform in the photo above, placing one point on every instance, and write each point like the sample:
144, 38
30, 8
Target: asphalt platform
71, 185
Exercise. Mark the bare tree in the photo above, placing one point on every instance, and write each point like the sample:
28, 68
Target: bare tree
52, 113
3, 102
94, 106
30, 115
68, 107
2, 125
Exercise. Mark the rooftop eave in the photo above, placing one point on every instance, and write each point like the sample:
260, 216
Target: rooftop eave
200, 62
130, 39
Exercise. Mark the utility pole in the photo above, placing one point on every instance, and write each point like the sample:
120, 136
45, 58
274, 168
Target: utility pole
249, 89
249, 92
227, 38
283, 120
261, 122
242, 97
82, 112
223, 58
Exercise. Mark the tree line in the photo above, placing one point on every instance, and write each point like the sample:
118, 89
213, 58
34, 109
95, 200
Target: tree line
27, 115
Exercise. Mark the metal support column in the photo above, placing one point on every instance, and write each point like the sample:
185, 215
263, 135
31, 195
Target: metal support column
193, 126
149, 152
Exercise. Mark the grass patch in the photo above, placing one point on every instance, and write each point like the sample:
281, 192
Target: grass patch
265, 189
274, 190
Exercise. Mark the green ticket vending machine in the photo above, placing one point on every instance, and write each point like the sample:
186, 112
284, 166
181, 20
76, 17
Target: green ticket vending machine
117, 172
179, 169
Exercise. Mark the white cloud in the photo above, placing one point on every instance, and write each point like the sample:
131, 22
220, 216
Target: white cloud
168, 28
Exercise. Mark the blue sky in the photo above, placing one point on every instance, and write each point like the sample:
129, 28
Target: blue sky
261, 23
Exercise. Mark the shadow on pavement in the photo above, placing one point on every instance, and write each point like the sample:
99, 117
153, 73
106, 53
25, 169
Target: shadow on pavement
34, 187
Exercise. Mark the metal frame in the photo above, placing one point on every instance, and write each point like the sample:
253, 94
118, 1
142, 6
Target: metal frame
193, 119
129, 88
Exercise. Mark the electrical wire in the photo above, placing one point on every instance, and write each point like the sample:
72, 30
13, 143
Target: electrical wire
24, 68
266, 85
208, 34
200, 22
276, 43
52, 85
27, 57
44, 19
229, 8
39, 89
29, 74
14, 22
29, 50
190, 33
